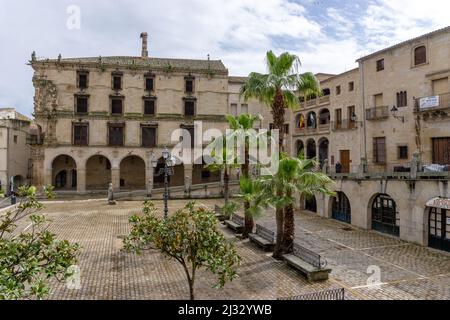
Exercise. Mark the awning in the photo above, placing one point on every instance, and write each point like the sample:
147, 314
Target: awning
441, 203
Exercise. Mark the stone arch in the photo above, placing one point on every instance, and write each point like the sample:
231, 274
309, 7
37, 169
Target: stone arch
323, 150
310, 204
311, 120
299, 148
384, 214
132, 173
340, 207
311, 151
98, 173
64, 172
324, 116
300, 121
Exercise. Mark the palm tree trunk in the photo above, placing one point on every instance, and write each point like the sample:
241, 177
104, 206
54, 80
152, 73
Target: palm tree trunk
249, 223
278, 112
289, 228
278, 249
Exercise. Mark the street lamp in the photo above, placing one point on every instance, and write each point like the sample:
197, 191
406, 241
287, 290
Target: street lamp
394, 112
169, 163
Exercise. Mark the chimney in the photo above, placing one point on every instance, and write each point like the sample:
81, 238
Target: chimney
144, 38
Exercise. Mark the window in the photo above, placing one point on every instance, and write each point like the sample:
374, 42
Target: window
15, 139
116, 106
189, 84
380, 65
149, 137
149, 106
244, 108
402, 152
326, 92
378, 100
81, 104
402, 99
80, 134
338, 114
117, 81
351, 86
286, 128
351, 116
233, 109
189, 108
190, 136
82, 79
338, 90
150, 83
115, 134
440, 86
420, 55
379, 150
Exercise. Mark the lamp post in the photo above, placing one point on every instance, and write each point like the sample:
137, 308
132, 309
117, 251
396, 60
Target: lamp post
394, 112
169, 163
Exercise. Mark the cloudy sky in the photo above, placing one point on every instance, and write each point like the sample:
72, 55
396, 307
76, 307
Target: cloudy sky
328, 35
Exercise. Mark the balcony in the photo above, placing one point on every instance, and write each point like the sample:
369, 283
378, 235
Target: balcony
432, 103
377, 113
343, 125
316, 102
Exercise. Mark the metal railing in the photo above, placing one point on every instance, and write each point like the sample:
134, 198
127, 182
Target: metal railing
309, 256
343, 125
334, 294
432, 103
377, 113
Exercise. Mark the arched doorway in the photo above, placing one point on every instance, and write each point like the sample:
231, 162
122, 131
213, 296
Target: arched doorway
439, 228
385, 217
311, 149
299, 148
323, 150
300, 121
311, 120
64, 173
98, 173
311, 204
132, 173
324, 117
340, 208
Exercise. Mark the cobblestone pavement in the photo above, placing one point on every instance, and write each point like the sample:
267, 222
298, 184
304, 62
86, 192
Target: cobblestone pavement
407, 271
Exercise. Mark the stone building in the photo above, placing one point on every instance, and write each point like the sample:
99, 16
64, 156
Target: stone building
15, 164
107, 118
389, 128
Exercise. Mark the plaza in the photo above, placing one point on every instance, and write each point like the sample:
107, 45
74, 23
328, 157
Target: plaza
407, 271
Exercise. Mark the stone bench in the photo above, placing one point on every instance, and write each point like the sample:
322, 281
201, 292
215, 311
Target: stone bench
236, 223
309, 263
263, 237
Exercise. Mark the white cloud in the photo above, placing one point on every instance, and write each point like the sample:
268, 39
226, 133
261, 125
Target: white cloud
237, 31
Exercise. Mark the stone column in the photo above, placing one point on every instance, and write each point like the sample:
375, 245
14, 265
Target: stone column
188, 168
81, 180
149, 178
115, 177
48, 177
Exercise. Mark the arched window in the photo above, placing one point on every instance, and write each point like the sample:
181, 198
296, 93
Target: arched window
420, 55
402, 99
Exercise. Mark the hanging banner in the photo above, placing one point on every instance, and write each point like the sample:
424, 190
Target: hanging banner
441, 203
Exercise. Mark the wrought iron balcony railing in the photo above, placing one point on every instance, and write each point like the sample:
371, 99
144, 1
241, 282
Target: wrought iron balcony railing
432, 103
377, 113
343, 125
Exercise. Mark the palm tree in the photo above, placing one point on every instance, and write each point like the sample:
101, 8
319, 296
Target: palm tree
294, 175
241, 126
278, 89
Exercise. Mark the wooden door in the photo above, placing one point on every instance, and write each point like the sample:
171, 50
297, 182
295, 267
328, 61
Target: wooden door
441, 151
345, 160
